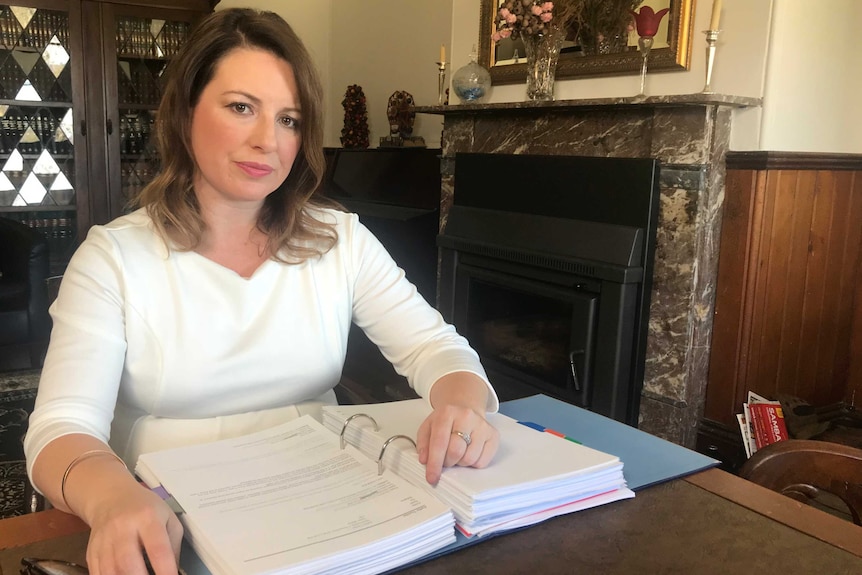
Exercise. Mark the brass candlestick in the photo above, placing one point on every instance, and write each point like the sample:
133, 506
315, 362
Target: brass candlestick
441, 83
711, 39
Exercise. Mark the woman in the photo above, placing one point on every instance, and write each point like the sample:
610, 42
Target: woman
223, 304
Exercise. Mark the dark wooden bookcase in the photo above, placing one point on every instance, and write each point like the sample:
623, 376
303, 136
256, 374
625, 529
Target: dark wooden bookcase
80, 82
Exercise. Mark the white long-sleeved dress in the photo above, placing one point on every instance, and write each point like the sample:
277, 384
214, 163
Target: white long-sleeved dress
153, 348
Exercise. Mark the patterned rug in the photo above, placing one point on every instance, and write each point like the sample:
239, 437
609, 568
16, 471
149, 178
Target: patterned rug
17, 396
13, 480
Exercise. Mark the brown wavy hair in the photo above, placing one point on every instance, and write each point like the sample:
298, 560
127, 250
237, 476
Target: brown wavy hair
293, 233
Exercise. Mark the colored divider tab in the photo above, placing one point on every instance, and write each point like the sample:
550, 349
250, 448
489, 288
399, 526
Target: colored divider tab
538, 427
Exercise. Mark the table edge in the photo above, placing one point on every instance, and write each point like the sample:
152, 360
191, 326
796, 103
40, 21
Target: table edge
40, 526
53, 523
789, 512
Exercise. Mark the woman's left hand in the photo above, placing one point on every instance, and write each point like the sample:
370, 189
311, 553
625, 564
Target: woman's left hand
456, 432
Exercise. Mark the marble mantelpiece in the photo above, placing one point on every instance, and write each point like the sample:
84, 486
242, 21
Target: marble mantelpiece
701, 99
690, 135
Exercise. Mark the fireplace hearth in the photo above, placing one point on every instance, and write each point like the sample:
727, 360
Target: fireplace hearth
546, 267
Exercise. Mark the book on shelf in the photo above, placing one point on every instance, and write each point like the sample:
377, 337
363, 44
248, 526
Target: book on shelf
761, 423
297, 499
768, 422
745, 432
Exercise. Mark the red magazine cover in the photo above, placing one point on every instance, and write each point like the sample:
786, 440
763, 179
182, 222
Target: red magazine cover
768, 420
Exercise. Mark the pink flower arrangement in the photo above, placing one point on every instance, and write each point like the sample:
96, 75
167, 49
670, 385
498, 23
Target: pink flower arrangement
517, 18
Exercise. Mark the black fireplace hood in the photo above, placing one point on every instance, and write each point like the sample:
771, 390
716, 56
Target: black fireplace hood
590, 216
553, 243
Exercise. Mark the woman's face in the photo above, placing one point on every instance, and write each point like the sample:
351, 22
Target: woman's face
245, 128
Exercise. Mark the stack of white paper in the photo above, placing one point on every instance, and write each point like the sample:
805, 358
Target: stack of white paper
288, 501
533, 477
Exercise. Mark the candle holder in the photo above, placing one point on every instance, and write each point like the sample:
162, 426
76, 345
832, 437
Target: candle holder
645, 46
647, 22
711, 39
441, 83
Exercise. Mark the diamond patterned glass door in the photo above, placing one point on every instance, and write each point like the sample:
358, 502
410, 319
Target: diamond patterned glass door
144, 47
37, 167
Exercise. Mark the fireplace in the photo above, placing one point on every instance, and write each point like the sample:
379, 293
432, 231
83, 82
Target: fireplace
546, 267
689, 134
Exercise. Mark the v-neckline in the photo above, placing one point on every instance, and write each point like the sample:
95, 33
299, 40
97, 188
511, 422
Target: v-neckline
248, 278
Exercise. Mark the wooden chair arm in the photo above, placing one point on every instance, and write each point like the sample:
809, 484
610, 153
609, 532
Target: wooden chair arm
802, 468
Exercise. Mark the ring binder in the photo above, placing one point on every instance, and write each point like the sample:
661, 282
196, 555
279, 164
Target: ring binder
385, 445
352, 417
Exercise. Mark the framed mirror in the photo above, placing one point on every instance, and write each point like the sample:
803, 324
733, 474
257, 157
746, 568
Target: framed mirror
671, 51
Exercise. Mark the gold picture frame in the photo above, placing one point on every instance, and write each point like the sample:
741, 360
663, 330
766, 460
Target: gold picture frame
676, 55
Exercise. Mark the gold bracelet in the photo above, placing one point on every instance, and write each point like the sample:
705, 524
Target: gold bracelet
79, 459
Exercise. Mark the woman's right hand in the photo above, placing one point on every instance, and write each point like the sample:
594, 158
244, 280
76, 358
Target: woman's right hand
80, 474
127, 523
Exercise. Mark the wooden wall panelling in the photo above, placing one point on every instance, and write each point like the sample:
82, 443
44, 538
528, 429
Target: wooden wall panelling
840, 275
854, 385
734, 292
853, 388
824, 287
806, 289
787, 312
799, 322
786, 292
770, 284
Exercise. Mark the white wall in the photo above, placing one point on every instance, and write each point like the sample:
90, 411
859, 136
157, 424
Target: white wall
813, 93
386, 46
796, 54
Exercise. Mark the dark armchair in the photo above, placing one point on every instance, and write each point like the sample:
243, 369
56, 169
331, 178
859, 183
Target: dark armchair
820, 473
24, 320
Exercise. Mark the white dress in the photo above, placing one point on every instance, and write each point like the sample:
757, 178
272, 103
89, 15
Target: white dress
153, 348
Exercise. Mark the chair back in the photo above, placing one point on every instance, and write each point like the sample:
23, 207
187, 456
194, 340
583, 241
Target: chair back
24, 263
808, 469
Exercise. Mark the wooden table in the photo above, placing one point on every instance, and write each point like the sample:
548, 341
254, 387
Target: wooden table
710, 522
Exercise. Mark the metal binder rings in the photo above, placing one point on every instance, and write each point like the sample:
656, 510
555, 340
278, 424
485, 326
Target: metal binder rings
376, 428
351, 418
385, 445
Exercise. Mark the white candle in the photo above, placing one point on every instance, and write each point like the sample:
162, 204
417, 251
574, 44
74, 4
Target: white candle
442, 53
716, 15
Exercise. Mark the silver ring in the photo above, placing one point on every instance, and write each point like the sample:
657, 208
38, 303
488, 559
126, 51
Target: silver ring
464, 436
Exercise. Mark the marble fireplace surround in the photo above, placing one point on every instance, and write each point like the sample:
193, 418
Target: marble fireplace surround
690, 134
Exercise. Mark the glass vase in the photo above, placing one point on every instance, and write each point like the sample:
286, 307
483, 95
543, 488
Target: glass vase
543, 51
472, 82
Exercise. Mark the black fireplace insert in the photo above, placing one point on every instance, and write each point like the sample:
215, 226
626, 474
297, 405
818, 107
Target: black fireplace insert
546, 267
